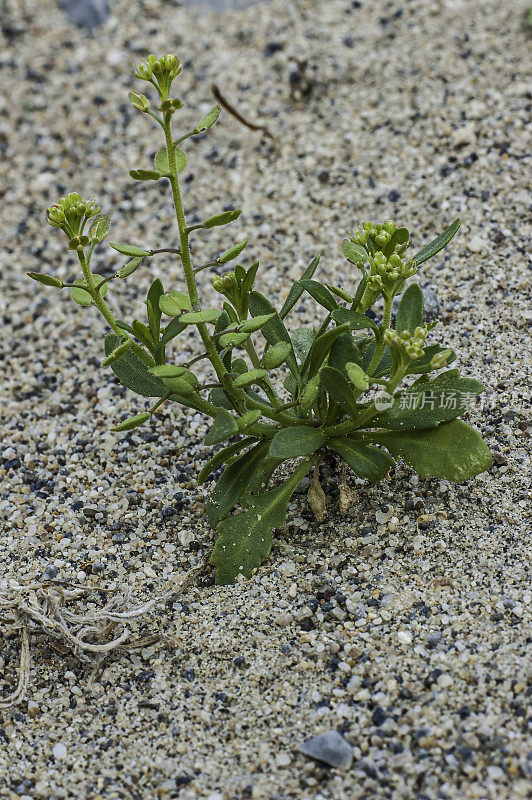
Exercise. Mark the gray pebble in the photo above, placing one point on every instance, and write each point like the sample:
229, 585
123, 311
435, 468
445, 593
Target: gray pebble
331, 748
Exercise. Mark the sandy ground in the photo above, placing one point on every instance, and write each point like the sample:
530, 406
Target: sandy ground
403, 625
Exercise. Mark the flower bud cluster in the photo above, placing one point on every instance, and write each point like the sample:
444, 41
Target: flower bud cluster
139, 101
71, 212
411, 345
384, 272
160, 72
224, 284
379, 236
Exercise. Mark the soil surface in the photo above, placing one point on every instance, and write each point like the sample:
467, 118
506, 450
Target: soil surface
403, 625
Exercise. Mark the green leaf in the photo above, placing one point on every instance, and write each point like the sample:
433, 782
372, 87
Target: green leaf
234, 481
299, 440
438, 244
129, 268
368, 351
232, 253
276, 355
454, 451
339, 292
410, 311
224, 426
354, 252
249, 378
132, 422
99, 228
145, 174
339, 389
368, 462
167, 371
222, 456
400, 236
47, 280
208, 120
422, 364
173, 329
81, 296
117, 353
320, 294
221, 399
302, 339
132, 372
181, 298
429, 404
355, 320
245, 539
233, 339
199, 317
297, 288
169, 306
130, 250
221, 219
320, 350
343, 351
274, 331
256, 323
162, 163
143, 333
155, 293
361, 288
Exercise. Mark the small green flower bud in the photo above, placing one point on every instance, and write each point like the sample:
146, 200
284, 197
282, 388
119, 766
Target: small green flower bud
441, 359
139, 101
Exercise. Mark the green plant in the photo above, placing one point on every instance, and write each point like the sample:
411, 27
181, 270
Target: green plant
307, 392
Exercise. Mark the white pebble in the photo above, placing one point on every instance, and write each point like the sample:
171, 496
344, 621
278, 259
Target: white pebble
59, 750
404, 637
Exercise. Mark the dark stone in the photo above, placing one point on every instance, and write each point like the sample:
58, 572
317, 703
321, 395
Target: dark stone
86, 13
272, 48
379, 717
49, 573
393, 196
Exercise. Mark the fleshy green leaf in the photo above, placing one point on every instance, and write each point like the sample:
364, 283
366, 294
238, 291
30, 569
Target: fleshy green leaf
320, 350
132, 372
232, 253
249, 378
130, 250
302, 339
256, 323
224, 426
339, 292
221, 219
181, 298
297, 288
410, 311
155, 293
320, 294
343, 351
299, 440
454, 451
167, 371
173, 329
429, 404
355, 320
198, 317
47, 280
145, 174
276, 355
222, 456
129, 268
233, 339
367, 462
354, 252
245, 539
438, 244
81, 295
234, 481
162, 163
117, 353
132, 422
274, 331
208, 120
339, 389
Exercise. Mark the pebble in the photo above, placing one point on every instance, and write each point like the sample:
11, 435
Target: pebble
477, 244
330, 748
464, 135
404, 637
59, 750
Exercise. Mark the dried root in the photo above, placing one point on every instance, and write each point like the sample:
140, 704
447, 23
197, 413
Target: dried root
316, 496
50, 607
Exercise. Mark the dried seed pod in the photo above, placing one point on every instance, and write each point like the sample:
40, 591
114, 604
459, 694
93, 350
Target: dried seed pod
347, 497
316, 497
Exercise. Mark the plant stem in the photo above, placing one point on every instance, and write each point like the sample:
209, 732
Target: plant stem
105, 311
268, 388
379, 350
186, 260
